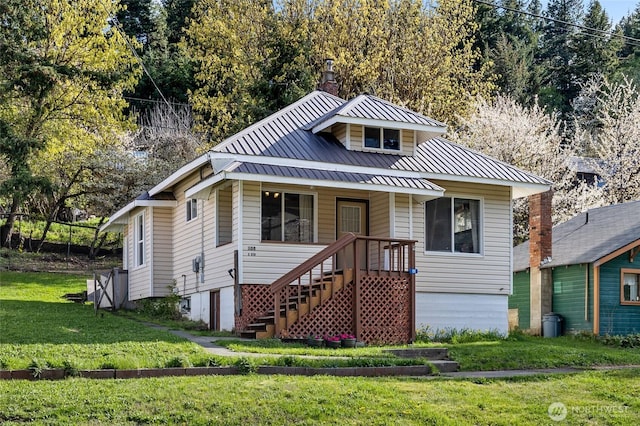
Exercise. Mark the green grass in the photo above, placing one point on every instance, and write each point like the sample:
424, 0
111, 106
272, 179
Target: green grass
518, 352
59, 233
36, 323
537, 352
591, 398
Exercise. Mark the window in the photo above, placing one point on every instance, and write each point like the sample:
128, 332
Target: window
192, 209
350, 218
630, 291
452, 225
287, 217
390, 138
138, 238
224, 216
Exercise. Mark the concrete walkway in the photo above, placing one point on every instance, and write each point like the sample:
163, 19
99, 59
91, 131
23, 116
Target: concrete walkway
208, 343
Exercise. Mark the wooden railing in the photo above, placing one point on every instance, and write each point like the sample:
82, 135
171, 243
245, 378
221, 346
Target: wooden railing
349, 258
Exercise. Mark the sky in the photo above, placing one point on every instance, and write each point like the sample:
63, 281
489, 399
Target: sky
616, 9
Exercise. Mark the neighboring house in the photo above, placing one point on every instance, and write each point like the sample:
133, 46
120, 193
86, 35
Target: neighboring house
586, 169
343, 216
593, 274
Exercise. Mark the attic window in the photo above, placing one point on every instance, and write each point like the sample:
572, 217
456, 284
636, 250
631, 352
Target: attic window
381, 138
630, 287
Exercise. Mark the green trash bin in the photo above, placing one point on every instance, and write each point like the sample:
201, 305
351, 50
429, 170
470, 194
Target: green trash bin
552, 325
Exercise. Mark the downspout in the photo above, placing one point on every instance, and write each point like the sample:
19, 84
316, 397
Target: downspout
202, 262
596, 299
151, 287
240, 272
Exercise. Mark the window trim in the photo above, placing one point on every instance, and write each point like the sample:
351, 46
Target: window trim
284, 191
192, 209
452, 252
139, 241
624, 271
381, 134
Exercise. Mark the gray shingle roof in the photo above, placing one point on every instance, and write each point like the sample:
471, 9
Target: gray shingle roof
282, 135
317, 174
579, 240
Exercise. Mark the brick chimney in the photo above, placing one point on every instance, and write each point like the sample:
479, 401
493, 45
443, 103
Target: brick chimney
329, 83
540, 246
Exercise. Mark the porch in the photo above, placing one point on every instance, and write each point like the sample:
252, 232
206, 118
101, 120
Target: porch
358, 285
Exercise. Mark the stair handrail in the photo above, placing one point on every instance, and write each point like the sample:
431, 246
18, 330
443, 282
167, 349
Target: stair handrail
312, 262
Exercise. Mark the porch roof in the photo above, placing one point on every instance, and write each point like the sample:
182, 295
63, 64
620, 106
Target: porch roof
325, 178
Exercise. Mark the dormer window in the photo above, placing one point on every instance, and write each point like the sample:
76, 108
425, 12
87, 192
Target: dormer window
381, 138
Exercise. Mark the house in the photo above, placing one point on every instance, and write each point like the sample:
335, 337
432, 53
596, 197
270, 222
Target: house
593, 274
331, 216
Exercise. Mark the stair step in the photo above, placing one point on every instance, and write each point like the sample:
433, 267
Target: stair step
248, 334
445, 366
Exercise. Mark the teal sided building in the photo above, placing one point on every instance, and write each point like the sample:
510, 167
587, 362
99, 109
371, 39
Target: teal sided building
592, 277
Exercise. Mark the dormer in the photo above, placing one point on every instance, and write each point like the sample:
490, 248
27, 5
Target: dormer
370, 124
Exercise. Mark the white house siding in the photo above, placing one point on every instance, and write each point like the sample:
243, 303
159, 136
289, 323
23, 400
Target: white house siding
139, 276
187, 236
162, 251
460, 311
340, 132
488, 273
401, 226
200, 308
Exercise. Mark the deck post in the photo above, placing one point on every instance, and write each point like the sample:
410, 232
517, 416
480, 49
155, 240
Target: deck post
412, 291
357, 325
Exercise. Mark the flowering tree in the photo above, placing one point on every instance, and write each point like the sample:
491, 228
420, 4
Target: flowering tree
531, 139
612, 132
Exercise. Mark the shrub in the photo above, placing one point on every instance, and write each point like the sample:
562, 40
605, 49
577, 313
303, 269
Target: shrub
179, 361
37, 366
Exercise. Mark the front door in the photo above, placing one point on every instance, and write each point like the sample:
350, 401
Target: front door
351, 216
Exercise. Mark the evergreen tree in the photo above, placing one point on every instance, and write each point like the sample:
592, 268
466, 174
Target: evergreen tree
559, 83
595, 54
135, 19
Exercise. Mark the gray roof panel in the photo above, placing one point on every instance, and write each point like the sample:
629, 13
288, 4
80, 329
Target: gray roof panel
588, 237
338, 176
282, 135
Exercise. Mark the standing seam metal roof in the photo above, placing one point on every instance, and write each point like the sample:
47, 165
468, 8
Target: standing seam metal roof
282, 135
306, 173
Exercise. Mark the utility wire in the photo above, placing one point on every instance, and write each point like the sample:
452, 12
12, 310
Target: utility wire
631, 40
114, 20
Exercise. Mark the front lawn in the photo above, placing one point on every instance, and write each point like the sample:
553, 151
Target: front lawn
37, 324
589, 398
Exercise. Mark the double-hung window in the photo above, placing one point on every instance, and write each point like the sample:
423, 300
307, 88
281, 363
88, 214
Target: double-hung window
630, 291
380, 138
453, 225
192, 209
287, 216
138, 238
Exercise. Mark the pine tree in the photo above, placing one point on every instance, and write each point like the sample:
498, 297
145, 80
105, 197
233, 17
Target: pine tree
559, 83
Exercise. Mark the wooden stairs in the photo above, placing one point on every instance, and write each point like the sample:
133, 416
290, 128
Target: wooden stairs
301, 301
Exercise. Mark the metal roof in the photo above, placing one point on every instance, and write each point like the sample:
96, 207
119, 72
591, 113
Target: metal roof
332, 175
371, 107
282, 135
588, 237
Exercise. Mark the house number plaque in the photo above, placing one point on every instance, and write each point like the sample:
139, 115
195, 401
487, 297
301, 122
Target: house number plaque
251, 250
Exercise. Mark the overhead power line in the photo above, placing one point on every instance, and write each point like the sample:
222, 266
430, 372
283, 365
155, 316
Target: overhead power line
596, 32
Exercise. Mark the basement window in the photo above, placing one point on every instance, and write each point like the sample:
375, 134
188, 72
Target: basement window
630, 287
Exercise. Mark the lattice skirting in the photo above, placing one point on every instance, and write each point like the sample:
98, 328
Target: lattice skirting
385, 311
256, 301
